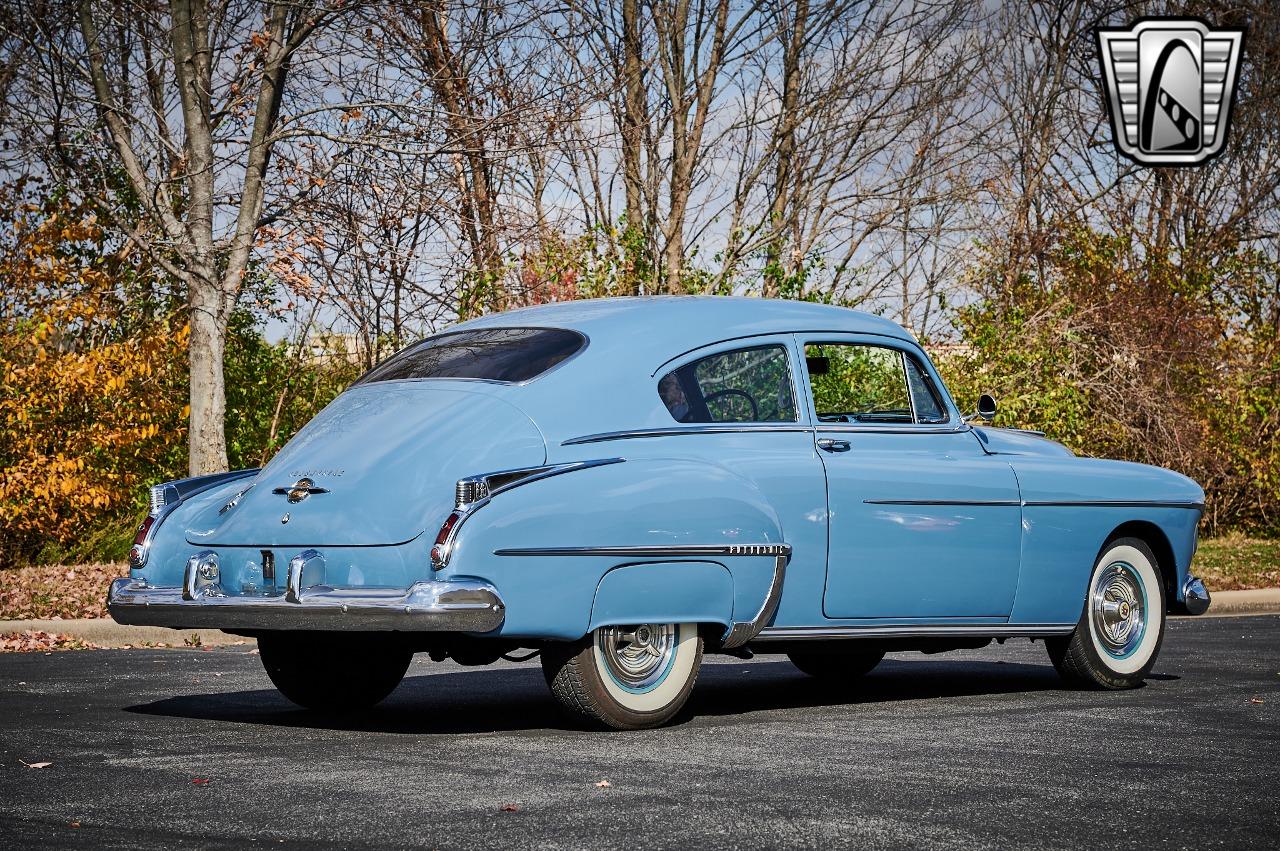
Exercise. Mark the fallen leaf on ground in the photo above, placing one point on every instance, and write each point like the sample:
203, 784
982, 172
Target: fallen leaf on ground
510, 808
603, 784
36, 764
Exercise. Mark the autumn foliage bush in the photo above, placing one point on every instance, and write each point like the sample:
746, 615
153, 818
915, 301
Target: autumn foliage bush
1122, 353
93, 405
92, 402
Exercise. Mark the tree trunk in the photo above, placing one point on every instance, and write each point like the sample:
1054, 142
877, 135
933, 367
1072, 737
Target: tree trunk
206, 439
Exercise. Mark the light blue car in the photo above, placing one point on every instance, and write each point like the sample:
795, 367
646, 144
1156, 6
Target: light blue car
623, 485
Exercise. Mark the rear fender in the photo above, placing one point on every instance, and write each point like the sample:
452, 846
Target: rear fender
664, 592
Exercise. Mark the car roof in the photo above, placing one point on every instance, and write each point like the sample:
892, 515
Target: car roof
610, 385
665, 326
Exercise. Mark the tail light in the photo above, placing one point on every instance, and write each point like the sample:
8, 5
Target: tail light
444, 540
138, 552
160, 498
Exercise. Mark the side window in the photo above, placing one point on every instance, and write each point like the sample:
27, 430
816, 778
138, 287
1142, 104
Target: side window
924, 395
742, 386
855, 383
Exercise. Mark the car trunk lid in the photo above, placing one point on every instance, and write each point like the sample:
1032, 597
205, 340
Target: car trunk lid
377, 467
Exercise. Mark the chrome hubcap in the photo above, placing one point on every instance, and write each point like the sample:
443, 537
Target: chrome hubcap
1117, 609
639, 656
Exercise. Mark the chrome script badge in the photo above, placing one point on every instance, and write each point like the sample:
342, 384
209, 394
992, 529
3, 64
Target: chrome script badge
1170, 83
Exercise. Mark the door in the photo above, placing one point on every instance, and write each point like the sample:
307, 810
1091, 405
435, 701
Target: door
923, 522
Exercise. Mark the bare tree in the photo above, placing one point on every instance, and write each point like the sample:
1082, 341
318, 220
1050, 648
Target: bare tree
189, 98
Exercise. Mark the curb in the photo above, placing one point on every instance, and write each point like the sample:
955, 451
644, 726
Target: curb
1265, 601
104, 632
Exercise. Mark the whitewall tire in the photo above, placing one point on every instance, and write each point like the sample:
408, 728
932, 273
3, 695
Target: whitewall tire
626, 677
1116, 642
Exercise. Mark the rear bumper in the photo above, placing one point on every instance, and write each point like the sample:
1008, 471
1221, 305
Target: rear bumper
457, 606
1195, 597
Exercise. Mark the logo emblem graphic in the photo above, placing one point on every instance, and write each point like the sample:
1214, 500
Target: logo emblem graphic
1170, 83
298, 491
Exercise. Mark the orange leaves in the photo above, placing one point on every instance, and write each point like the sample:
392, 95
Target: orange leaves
91, 404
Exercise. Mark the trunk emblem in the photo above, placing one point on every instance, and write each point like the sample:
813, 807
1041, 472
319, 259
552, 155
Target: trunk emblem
299, 490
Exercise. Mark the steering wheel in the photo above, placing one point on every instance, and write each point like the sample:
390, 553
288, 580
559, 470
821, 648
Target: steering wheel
732, 391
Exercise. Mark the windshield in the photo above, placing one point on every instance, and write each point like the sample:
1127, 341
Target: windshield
489, 354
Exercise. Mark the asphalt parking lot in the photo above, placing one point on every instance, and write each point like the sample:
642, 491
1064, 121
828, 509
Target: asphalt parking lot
189, 748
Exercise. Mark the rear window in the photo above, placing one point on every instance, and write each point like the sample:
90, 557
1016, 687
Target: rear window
489, 354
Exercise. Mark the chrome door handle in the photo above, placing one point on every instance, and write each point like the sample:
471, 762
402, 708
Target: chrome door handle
830, 445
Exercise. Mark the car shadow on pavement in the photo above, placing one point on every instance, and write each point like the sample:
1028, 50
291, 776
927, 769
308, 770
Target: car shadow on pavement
516, 699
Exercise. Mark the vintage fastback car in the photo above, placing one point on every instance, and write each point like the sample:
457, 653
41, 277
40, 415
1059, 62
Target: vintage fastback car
623, 485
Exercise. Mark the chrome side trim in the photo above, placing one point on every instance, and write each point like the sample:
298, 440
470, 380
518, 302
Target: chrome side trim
1113, 503
1105, 503
743, 631
486, 486
475, 489
678, 431
457, 606
655, 550
855, 428
942, 502
994, 630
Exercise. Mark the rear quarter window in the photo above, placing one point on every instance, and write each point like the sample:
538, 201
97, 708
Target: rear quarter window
741, 386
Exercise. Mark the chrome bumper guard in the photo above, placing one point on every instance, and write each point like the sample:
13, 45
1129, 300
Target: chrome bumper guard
1195, 597
446, 606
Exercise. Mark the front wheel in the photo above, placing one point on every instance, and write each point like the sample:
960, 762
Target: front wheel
333, 672
1115, 643
626, 677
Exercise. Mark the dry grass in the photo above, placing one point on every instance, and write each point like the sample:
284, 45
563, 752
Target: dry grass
1237, 563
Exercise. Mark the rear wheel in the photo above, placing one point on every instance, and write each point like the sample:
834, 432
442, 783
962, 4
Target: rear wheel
626, 677
1116, 642
333, 672
838, 664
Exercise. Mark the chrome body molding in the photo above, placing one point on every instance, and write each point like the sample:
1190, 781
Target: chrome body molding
655, 550
677, 431
1114, 503
964, 502
865, 428
743, 631
474, 490
1195, 597
749, 428
1041, 503
474, 493
456, 606
976, 630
